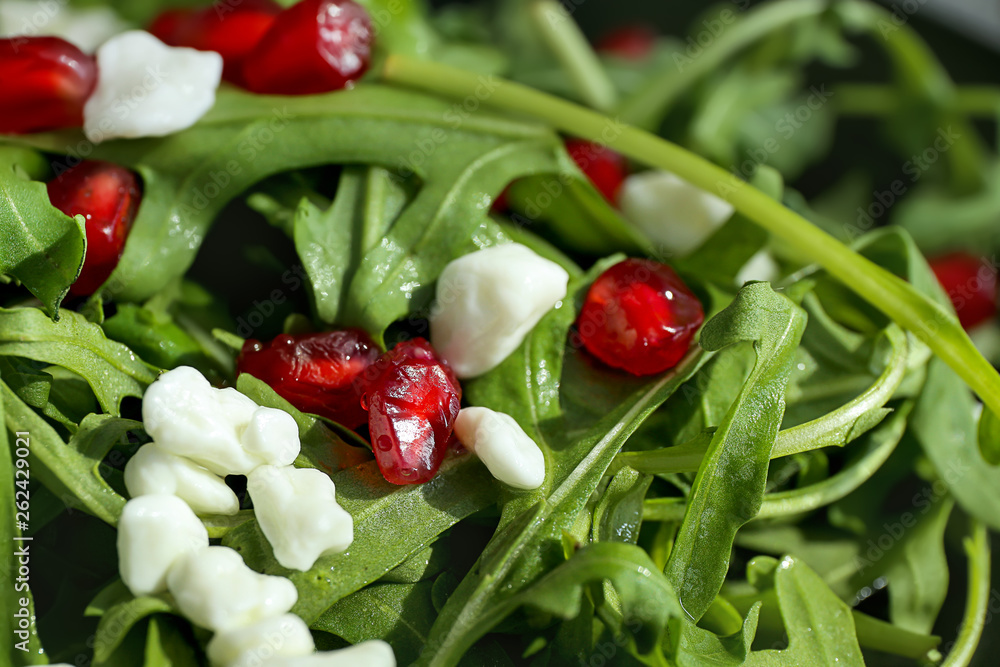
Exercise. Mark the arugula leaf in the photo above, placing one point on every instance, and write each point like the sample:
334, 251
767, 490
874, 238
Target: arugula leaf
729, 487
820, 627
167, 645
111, 369
42, 247
117, 623
619, 513
156, 338
697, 647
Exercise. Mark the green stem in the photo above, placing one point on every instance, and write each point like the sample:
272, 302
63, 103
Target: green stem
876, 99
645, 107
913, 311
977, 547
570, 47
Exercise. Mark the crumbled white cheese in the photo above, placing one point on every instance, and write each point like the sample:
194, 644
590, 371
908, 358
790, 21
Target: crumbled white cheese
85, 27
488, 301
249, 646
148, 89
153, 470
759, 267
298, 513
374, 653
507, 451
220, 429
215, 589
153, 533
672, 213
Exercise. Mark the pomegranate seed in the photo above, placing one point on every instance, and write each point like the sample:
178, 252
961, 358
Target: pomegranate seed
46, 81
315, 46
605, 168
321, 373
412, 402
971, 285
230, 31
639, 316
108, 197
633, 42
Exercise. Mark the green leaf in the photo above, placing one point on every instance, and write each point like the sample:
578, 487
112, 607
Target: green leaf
391, 523
332, 243
580, 415
820, 627
697, 647
167, 645
42, 247
111, 369
156, 338
729, 487
619, 513
118, 621
71, 471
945, 425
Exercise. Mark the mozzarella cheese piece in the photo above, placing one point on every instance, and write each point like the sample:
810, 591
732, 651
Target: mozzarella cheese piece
154, 532
375, 653
148, 89
298, 513
488, 301
507, 451
759, 267
671, 212
220, 429
215, 589
281, 636
85, 27
152, 470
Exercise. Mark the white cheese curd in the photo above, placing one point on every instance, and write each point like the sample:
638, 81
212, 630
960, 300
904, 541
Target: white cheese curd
488, 301
148, 89
215, 589
220, 429
671, 212
153, 533
286, 636
298, 513
374, 653
760, 267
507, 451
85, 27
153, 470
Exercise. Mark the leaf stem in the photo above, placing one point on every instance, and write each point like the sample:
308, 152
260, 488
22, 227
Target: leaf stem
977, 547
570, 47
877, 99
929, 321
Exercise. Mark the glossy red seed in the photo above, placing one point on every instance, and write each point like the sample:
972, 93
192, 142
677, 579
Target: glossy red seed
321, 373
971, 285
315, 46
639, 316
46, 82
412, 401
230, 30
634, 42
108, 197
605, 168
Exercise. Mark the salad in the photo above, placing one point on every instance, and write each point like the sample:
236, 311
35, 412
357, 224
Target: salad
348, 332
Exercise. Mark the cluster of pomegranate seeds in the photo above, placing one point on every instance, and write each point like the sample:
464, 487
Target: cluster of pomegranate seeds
639, 316
46, 81
108, 197
605, 168
315, 46
231, 31
971, 285
413, 399
633, 42
321, 373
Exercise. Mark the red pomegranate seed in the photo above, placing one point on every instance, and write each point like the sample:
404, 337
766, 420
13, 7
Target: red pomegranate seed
639, 316
315, 46
108, 197
412, 402
971, 285
321, 373
46, 81
634, 42
231, 31
605, 168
